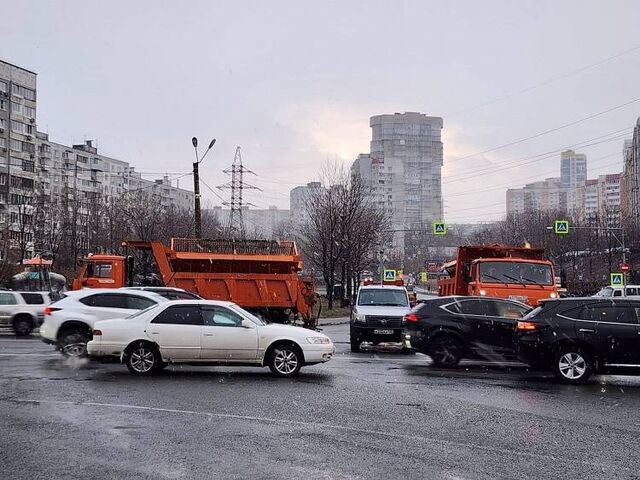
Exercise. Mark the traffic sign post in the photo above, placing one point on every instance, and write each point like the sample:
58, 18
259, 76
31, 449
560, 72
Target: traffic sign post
439, 228
561, 227
617, 279
389, 276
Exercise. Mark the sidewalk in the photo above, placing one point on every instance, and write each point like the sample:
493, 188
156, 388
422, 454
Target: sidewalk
333, 321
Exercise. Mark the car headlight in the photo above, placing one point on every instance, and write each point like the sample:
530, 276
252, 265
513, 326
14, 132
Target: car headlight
553, 295
357, 317
318, 340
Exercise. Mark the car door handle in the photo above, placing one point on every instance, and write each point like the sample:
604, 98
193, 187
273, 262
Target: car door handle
588, 330
208, 334
154, 333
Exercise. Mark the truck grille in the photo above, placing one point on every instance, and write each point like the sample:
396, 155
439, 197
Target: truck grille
380, 321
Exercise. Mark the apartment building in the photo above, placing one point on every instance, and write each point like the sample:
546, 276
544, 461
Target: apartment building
17, 152
586, 200
36, 171
404, 170
631, 178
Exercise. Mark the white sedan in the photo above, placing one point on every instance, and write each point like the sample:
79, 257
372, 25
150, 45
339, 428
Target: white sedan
206, 332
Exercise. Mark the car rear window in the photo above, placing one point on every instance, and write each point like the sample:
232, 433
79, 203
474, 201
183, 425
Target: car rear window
33, 298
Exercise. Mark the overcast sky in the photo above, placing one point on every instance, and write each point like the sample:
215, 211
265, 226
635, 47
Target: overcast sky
295, 82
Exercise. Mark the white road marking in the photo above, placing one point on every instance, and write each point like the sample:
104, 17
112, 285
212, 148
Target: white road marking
443, 443
53, 354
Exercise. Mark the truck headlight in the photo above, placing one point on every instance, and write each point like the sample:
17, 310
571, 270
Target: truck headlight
553, 295
319, 340
359, 318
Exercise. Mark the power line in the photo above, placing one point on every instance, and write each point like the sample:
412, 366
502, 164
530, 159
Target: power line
546, 82
542, 156
546, 132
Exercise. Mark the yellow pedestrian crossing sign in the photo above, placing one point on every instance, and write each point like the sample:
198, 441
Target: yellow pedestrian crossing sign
439, 228
617, 279
423, 277
389, 275
561, 227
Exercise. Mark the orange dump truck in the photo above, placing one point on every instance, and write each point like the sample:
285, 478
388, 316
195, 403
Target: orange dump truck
517, 273
261, 276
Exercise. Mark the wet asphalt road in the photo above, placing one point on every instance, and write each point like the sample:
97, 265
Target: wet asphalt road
367, 415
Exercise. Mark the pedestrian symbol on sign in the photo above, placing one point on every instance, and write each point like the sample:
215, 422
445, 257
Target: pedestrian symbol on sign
389, 275
617, 279
561, 227
439, 228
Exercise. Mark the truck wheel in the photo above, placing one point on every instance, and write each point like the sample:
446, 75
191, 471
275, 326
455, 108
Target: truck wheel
445, 351
74, 344
22, 325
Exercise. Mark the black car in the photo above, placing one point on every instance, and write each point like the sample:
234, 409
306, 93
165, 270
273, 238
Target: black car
575, 337
449, 329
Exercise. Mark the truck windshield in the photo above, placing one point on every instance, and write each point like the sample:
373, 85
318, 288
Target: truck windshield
383, 297
516, 272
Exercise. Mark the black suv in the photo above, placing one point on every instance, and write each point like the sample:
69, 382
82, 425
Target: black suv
451, 328
575, 337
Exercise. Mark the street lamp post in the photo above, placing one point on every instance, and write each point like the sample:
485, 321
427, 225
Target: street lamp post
196, 184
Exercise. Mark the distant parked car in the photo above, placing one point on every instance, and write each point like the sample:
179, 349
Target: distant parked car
575, 337
68, 323
22, 311
206, 332
170, 293
449, 329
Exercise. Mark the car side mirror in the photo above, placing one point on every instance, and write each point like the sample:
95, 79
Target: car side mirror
247, 323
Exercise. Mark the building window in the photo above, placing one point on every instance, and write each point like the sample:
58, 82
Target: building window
3, 86
3, 105
28, 166
25, 92
28, 112
16, 145
16, 108
3, 142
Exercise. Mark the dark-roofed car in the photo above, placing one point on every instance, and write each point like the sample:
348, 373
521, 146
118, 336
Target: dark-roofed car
575, 337
170, 293
449, 329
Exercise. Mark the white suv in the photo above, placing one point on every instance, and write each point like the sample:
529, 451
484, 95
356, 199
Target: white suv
68, 323
22, 311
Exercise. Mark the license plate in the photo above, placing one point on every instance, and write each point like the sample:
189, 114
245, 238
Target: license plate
383, 332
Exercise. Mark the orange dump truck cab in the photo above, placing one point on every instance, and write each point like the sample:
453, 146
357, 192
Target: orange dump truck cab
261, 276
517, 273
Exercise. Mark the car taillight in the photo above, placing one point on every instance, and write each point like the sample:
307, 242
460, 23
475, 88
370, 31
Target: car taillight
411, 317
526, 326
50, 310
97, 332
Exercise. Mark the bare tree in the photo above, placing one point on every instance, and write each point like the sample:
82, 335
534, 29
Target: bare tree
341, 227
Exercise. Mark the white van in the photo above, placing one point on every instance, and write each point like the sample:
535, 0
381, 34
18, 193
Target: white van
607, 292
